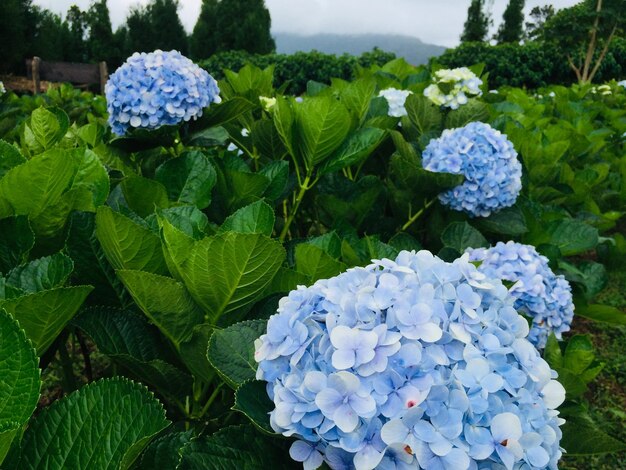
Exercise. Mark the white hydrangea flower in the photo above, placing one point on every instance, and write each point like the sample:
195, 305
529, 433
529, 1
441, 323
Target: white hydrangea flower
395, 99
3, 90
460, 83
267, 103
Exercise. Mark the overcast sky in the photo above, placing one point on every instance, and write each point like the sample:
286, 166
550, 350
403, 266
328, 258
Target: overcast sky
434, 21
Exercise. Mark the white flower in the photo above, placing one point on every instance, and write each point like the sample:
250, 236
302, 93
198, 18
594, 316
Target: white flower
395, 99
267, 103
461, 82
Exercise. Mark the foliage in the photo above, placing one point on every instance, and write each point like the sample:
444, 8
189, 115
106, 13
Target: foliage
512, 27
243, 25
477, 24
203, 39
167, 250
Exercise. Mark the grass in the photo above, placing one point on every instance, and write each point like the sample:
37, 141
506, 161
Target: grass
607, 394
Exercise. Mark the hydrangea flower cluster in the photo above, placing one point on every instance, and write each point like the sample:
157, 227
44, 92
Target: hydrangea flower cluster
3, 90
452, 88
538, 292
622, 83
158, 89
406, 364
487, 159
395, 100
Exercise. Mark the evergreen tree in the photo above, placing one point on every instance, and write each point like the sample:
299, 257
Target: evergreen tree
13, 34
50, 37
101, 45
167, 30
512, 27
244, 25
477, 23
76, 25
203, 40
139, 34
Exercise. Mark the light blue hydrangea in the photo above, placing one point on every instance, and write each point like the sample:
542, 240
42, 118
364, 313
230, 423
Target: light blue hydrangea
406, 364
622, 83
487, 159
452, 88
158, 89
395, 101
540, 294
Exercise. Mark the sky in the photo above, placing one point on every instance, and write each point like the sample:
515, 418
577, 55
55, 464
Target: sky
433, 21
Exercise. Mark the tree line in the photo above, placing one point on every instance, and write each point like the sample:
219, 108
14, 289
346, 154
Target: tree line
27, 30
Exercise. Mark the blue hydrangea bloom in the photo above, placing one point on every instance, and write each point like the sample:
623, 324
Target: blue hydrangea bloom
406, 364
539, 293
487, 159
157, 89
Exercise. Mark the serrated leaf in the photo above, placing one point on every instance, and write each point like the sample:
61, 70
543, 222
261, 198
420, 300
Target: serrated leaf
257, 217
472, 111
165, 452
10, 157
552, 352
582, 437
104, 425
461, 235
188, 179
579, 354
278, 174
19, 369
128, 245
355, 149
165, 301
236, 448
43, 315
251, 399
48, 126
228, 272
226, 111
193, 352
571, 236
315, 263
41, 274
603, 313
15, 243
231, 351
422, 113
266, 139
188, 219
508, 221
144, 195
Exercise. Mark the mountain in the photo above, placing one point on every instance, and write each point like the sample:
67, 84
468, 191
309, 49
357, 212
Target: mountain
412, 49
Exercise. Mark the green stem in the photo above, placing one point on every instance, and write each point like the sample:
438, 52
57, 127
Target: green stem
69, 381
210, 400
417, 215
303, 189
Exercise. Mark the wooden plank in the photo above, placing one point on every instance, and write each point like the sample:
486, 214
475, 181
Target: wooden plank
36, 69
104, 76
66, 72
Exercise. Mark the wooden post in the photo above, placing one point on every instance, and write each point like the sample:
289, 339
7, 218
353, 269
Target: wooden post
36, 80
104, 76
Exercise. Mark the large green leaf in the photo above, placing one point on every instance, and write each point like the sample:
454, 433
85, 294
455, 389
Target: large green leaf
16, 241
188, 219
104, 425
43, 315
603, 313
19, 369
132, 342
583, 437
144, 195
422, 113
257, 217
461, 235
237, 448
188, 179
29, 188
228, 110
278, 174
313, 262
48, 126
228, 272
165, 452
193, 353
165, 301
322, 124
354, 150
91, 176
10, 156
231, 351
128, 245
41, 274
473, 111
252, 400
571, 236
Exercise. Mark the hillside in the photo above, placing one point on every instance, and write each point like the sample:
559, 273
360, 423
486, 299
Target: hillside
412, 49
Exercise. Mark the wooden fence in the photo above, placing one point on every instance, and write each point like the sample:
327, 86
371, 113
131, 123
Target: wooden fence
77, 74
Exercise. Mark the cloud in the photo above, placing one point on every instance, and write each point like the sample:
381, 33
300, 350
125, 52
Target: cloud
439, 22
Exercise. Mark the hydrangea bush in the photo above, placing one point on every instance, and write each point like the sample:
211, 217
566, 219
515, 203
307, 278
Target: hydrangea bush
488, 161
395, 100
157, 89
539, 293
412, 363
452, 88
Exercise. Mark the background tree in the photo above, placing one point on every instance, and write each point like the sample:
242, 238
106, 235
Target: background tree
167, 30
101, 44
538, 17
512, 27
477, 24
76, 26
13, 34
244, 25
50, 36
585, 32
203, 40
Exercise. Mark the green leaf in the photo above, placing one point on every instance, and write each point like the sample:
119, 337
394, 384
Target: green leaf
286, 280
552, 353
226, 111
315, 263
283, 116
29, 188
193, 352
188, 179
91, 133
41, 274
43, 315
603, 313
357, 96
228, 272
237, 448
144, 195
472, 111
165, 301
231, 351
48, 126
579, 354
105, 424
322, 124
461, 235
16, 241
19, 369
188, 219
128, 245
251, 399
278, 174
10, 157
165, 452
508, 221
257, 217
329, 242
209, 137
267, 140
583, 437
354, 150
422, 113
571, 236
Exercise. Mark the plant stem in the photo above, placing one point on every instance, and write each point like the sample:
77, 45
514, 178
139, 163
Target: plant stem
86, 355
417, 215
210, 400
303, 189
69, 381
